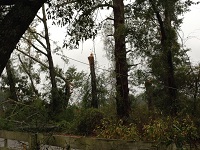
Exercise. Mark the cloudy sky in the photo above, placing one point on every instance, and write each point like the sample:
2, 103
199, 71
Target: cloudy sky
190, 35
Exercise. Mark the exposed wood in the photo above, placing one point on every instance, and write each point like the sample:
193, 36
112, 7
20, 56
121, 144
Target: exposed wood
94, 102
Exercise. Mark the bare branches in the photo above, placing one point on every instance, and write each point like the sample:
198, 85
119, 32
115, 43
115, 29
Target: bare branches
35, 47
43, 64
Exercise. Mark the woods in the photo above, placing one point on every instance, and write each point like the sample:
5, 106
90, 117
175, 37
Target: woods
142, 42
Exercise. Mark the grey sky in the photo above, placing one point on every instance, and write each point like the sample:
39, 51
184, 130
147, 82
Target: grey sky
190, 35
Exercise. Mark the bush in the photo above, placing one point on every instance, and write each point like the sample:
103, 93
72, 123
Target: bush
88, 120
28, 116
6, 124
111, 129
171, 130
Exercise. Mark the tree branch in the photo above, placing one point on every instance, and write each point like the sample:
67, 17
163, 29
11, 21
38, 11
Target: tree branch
34, 32
160, 21
41, 43
35, 47
29, 75
44, 65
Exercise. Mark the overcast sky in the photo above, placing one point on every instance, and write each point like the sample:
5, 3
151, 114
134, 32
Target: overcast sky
190, 35
191, 32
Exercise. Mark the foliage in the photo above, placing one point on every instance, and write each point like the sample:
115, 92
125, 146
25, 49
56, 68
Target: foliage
88, 120
112, 129
171, 130
102, 92
78, 17
6, 124
28, 116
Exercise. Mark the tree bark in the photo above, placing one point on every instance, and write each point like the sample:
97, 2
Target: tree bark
167, 40
11, 82
149, 95
14, 25
167, 45
56, 104
121, 66
94, 102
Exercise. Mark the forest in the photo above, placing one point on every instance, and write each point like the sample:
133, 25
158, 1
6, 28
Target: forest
142, 43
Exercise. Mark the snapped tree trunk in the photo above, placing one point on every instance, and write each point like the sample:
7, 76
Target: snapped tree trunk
121, 66
14, 25
94, 102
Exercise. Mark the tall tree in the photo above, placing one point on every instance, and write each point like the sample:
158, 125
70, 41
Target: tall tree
58, 101
56, 104
121, 66
14, 25
168, 45
152, 31
83, 26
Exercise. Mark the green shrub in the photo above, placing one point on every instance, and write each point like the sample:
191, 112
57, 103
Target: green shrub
6, 124
171, 130
111, 129
88, 120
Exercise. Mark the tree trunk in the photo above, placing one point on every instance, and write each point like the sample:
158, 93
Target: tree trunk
56, 104
14, 25
196, 92
167, 44
94, 102
28, 72
149, 95
11, 81
168, 38
121, 66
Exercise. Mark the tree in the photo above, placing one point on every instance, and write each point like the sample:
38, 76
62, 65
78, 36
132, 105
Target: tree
168, 38
121, 66
55, 104
14, 25
40, 42
152, 33
94, 102
83, 27
11, 81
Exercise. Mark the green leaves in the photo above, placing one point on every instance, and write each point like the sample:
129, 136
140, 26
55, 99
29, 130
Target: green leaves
171, 130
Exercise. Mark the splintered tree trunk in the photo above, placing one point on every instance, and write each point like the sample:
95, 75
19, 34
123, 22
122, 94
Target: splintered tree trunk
121, 67
94, 102
14, 25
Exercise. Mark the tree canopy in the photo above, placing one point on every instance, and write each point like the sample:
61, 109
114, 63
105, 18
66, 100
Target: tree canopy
142, 42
